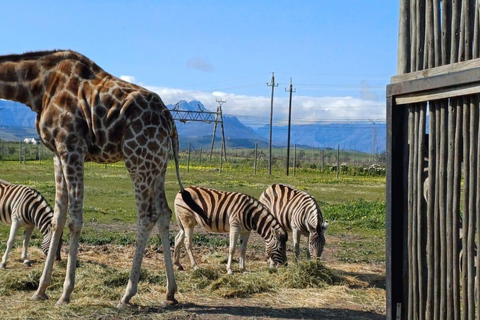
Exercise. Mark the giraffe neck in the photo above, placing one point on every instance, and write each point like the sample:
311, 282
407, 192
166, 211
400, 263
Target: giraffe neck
22, 81
34, 78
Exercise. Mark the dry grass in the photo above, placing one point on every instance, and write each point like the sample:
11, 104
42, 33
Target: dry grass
307, 290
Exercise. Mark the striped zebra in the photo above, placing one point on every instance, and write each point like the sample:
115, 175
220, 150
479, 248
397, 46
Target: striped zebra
298, 213
21, 206
227, 212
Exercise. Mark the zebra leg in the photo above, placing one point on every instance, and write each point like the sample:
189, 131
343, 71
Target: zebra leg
179, 238
296, 242
243, 249
234, 233
58, 222
188, 247
26, 241
10, 242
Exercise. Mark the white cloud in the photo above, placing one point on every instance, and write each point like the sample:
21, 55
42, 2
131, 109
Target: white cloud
255, 110
128, 79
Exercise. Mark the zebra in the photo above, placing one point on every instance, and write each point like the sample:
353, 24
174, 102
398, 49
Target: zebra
298, 213
21, 206
223, 212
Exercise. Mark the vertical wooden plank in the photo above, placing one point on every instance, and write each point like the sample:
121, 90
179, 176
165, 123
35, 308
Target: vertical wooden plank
475, 42
456, 204
437, 33
403, 60
471, 207
415, 283
466, 213
396, 207
413, 35
429, 53
437, 243
449, 209
442, 208
411, 123
420, 217
432, 163
455, 29
420, 38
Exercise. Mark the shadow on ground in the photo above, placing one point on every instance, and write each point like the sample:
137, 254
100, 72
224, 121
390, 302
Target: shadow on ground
194, 311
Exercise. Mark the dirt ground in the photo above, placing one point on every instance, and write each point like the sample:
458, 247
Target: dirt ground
359, 295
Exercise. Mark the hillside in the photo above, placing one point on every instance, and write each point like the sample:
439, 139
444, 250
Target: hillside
17, 122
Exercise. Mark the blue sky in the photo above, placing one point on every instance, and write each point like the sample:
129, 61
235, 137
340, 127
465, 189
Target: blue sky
340, 55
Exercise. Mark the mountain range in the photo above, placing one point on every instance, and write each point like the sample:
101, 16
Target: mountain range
17, 123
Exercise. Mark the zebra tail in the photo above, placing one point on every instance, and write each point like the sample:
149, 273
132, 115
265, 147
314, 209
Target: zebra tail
187, 198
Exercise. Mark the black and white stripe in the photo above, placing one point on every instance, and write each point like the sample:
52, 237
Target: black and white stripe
227, 212
299, 213
21, 206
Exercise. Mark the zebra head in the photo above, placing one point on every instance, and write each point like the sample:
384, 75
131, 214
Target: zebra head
47, 238
276, 249
316, 241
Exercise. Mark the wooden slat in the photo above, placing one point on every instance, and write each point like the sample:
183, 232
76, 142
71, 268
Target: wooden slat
440, 70
438, 94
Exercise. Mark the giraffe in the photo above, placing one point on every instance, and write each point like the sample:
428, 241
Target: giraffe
86, 114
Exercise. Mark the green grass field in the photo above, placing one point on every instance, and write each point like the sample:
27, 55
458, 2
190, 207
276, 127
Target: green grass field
354, 206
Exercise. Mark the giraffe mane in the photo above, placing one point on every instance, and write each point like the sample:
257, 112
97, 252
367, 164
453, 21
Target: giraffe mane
33, 55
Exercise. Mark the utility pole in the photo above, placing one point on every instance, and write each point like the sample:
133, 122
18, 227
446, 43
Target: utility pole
291, 90
273, 85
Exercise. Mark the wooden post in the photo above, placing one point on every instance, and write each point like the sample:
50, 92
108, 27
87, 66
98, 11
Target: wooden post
255, 160
338, 159
294, 159
221, 157
188, 157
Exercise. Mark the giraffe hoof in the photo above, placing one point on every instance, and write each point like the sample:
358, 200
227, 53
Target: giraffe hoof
171, 301
27, 264
122, 305
179, 267
39, 297
3, 266
62, 301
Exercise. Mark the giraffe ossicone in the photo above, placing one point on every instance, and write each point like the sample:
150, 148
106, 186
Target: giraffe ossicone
86, 114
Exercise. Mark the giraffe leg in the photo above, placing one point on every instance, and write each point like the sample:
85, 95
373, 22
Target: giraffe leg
58, 222
163, 228
10, 242
26, 241
165, 215
147, 217
243, 249
75, 185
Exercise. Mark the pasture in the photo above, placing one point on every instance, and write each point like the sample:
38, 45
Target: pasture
348, 283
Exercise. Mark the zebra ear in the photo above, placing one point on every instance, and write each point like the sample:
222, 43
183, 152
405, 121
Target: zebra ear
325, 225
280, 235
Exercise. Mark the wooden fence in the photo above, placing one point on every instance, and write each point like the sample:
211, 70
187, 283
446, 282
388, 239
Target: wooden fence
433, 109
